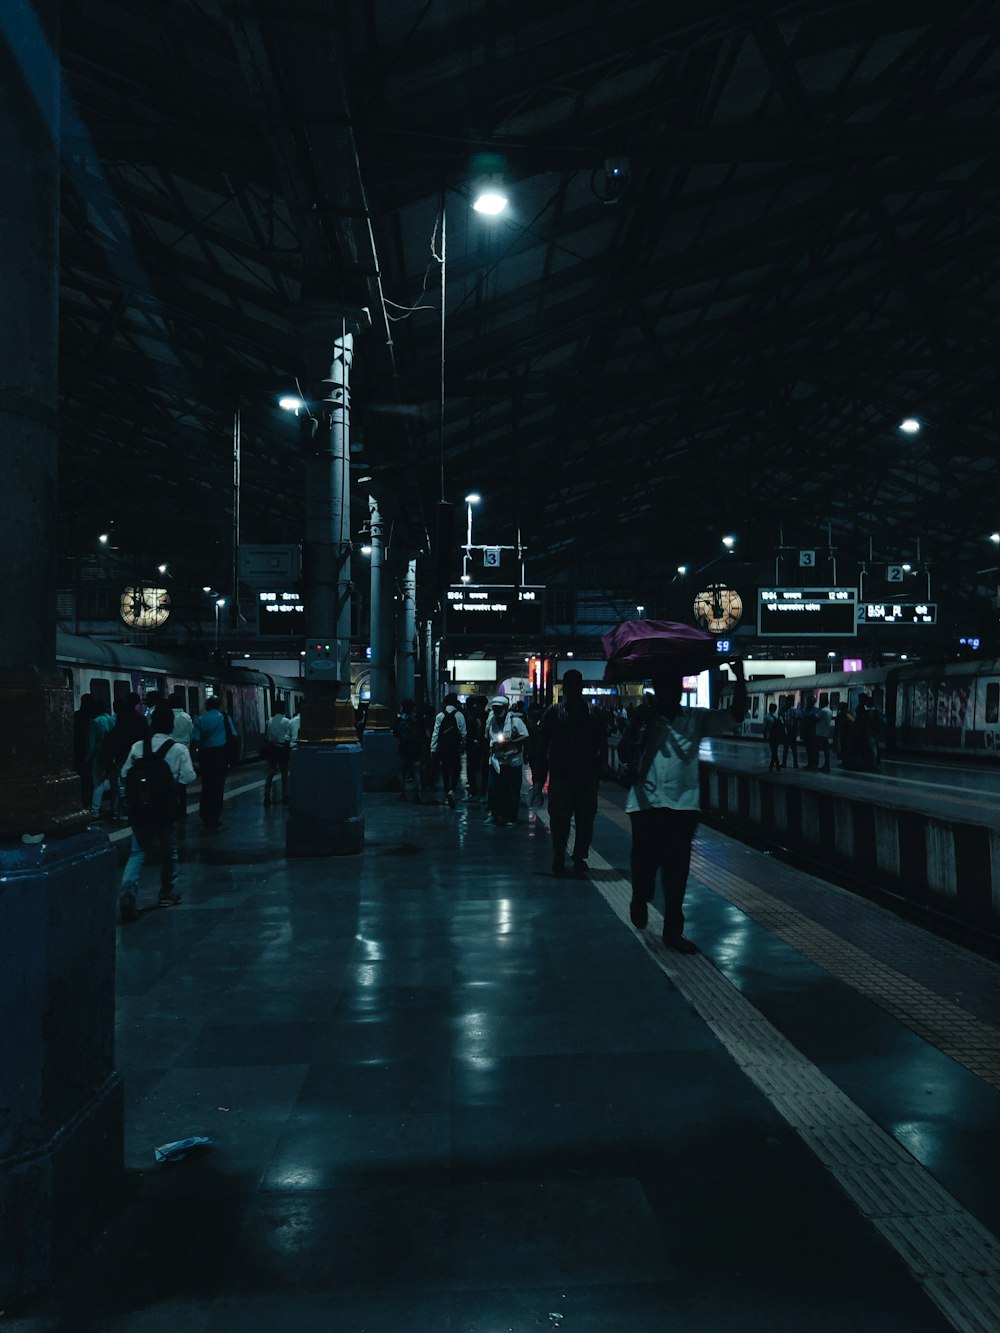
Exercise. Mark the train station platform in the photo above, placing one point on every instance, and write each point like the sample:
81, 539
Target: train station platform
450, 1092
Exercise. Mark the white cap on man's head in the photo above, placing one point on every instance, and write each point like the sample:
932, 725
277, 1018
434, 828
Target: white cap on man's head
499, 700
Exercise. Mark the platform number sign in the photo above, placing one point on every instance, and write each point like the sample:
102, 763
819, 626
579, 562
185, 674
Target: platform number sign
491, 557
894, 573
807, 559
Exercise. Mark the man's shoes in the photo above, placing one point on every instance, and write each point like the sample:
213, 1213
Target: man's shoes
638, 912
168, 900
450, 799
558, 866
581, 868
680, 944
127, 907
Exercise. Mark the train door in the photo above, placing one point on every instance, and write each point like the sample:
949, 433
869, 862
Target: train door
990, 716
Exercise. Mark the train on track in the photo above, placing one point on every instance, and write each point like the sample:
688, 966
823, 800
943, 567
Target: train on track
113, 671
941, 708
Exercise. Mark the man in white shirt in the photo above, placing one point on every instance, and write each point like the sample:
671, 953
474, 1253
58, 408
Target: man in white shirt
181, 734
661, 746
506, 734
277, 746
154, 827
824, 731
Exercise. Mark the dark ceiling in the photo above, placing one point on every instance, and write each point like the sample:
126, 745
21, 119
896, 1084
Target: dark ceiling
805, 248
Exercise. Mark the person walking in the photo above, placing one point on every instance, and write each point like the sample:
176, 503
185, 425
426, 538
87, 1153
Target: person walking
183, 725
209, 741
774, 734
447, 743
808, 721
152, 771
506, 734
660, 747
277, 749
410, 739
571, 745
475, 736
101, 757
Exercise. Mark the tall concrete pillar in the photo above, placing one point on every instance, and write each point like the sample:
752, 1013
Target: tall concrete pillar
381, 646
430, 664
326, 816
406, 632
60, 1099
380, 752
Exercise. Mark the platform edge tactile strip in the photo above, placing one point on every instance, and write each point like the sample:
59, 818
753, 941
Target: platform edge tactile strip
954, 1259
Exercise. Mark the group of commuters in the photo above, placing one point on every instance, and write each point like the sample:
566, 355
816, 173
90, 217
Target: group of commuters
564, 746
852, 736
143, 758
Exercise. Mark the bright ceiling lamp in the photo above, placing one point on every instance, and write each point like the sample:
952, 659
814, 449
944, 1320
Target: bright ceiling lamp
290, 403
910, 426
491, 203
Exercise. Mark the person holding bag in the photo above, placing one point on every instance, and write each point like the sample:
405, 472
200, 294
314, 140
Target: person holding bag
210, 739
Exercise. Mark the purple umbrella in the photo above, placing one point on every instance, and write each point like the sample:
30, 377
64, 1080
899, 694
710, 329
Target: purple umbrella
638, 647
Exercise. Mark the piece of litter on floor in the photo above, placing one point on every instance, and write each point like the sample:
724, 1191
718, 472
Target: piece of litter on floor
222, 1108
176, 1151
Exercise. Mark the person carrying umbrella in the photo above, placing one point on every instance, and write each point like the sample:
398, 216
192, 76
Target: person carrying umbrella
660, 746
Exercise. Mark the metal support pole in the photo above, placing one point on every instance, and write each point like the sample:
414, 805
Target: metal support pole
406, 629
235, 603
380, 679
430, 665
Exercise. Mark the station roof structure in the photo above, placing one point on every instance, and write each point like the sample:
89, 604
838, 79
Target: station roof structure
743, 241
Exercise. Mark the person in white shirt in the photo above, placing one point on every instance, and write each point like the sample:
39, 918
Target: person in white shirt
181, 734
156, 829
824, 731
506, 735
277, 746
661, 746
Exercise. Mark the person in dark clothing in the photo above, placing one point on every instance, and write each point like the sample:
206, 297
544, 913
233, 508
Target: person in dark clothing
410, 739
790, 720
774, 734
475, 743
130, 726
808, 720
82, 719
571, 746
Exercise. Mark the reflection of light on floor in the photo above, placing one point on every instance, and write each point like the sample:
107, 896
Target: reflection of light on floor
366, 974
919, 1138
504, 916
372, 949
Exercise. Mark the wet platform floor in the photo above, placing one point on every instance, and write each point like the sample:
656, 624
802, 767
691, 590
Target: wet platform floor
449, 1092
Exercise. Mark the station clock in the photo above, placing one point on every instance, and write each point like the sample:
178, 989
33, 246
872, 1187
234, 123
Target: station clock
145, 607
718, 609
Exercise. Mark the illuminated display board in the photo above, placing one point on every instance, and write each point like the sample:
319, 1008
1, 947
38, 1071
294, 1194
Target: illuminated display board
281, 613
487, 609
897, 613
807, 612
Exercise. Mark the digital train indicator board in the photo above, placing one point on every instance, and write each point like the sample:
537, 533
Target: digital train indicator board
483, 609
807, 613
897, 613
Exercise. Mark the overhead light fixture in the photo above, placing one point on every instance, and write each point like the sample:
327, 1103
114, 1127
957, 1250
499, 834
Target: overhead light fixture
682, 569
206, 587
907, 568
220, 601
361, 480
366, 550
491, 203
995, 537
162, 568
729, 542
910, 426
473, 498
290, 402
104, 539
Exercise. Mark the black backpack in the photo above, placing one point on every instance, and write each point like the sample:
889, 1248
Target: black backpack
150, 792
449, 737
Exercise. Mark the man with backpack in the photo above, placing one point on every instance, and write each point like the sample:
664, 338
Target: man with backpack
151, 773
410, 738
448, 743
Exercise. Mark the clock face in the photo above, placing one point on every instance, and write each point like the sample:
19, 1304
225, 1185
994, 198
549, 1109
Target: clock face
718, 608
145, 608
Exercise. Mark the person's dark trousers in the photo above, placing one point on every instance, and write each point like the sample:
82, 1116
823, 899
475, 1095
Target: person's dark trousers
775, 761
794, 747
451, 768
474, 762
572, 798
661, 841
213, 781
823, 748
277, 763
504, 792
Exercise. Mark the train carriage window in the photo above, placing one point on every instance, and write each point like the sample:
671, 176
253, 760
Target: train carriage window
992, 703
122, 691
834, 698
229, 705
194, 700
100, 691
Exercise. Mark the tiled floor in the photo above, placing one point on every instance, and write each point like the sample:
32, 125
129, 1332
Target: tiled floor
450, 1092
